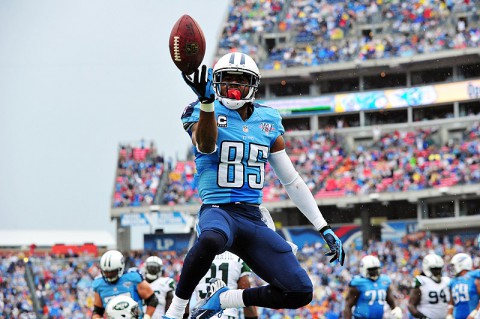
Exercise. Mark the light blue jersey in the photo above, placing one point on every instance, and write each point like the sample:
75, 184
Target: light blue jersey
373, 295
464, 294
235, 172
126, 285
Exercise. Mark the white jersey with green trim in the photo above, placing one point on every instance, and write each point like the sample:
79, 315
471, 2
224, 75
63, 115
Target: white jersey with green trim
229, 268
161, 286
435, 296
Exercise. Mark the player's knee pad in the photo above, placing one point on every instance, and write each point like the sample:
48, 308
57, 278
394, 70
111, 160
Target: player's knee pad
212, 241
294, 300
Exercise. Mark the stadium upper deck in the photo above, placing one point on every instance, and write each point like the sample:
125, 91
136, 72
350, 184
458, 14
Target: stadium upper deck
283, 34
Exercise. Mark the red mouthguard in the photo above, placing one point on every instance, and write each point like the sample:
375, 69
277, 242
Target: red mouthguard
234, 94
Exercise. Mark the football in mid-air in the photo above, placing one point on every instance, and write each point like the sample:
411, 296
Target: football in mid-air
187, 44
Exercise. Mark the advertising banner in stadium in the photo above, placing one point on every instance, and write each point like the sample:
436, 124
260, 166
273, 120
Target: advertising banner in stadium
395, 231
302, 236
134, 220
416, 96
381, 99
303, 105
170, 222
166, 242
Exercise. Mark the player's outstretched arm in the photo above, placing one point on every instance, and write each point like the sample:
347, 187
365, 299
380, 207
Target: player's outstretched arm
396, 312
168, 300
350, 301
301, 195
205, 131
148, 295
414, 301
474, 312
98, 308
450, 307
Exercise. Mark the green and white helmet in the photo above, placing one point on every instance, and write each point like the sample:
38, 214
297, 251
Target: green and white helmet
432, 265
122, 307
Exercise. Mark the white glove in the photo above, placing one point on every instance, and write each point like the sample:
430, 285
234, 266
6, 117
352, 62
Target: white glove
396, 313
450, 317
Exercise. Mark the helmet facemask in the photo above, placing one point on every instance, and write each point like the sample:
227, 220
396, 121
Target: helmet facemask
436, 274
235, 88
152, 271
373, 273
112, 276
370, 267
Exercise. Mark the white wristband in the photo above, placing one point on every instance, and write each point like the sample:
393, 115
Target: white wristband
207, 107
146, 316
473, 313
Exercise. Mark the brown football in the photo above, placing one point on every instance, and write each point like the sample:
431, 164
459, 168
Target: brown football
187, 44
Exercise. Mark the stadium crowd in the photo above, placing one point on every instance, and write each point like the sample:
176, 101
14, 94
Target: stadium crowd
398, 161
331, 31
138, 174
63, 283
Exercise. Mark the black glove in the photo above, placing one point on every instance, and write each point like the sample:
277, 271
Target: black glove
203, 85
334, 243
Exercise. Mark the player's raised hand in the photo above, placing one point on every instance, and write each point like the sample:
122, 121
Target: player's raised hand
334, 243
201, 84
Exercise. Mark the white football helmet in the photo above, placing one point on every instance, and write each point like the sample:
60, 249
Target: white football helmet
122, 307
238, 64
112, 265
432, 265
370, 267
461, 262
153, 268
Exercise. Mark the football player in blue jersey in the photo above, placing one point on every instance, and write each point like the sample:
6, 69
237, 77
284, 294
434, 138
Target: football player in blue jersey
114, 282
369, 293
464, 288
233, 138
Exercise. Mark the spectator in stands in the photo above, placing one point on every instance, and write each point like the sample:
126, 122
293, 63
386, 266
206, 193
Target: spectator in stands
138, 175
321, 31
395, 161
